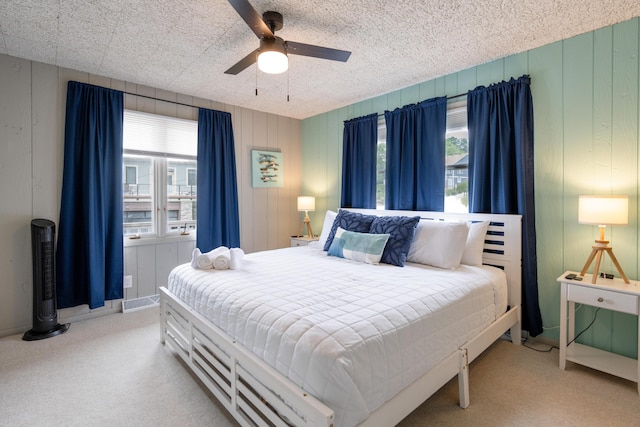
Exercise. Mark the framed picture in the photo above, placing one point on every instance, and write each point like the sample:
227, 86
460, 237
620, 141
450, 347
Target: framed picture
266, 169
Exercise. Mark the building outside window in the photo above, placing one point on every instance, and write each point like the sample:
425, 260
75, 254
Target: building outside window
160, 199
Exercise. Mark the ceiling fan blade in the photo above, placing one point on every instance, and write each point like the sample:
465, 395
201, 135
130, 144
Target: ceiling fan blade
303, 49
243, 63
251, 17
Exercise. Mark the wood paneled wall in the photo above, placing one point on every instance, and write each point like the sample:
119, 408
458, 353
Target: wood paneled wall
585, 93
32, 110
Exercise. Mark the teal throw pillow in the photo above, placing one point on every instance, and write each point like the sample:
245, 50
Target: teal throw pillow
362, 247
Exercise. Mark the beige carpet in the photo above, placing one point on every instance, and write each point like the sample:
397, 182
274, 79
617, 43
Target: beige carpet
112, 371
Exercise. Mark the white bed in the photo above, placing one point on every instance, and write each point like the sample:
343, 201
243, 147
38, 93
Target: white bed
294, 337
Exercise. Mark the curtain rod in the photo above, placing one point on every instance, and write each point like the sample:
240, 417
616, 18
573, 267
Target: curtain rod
158, 99
193, 106
456, 96
448, 98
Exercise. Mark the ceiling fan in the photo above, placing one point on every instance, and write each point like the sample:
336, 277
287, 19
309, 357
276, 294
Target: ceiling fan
272, 53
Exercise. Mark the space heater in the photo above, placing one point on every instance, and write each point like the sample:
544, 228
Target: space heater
45, 315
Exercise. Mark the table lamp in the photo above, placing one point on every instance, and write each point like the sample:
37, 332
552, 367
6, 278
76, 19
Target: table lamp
603, 210
306, 204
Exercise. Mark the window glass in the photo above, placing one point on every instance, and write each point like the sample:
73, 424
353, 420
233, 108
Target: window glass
381, 164
138, 195
181, 196
457, 159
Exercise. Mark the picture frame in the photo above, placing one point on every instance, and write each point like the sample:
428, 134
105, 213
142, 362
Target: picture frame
267, 169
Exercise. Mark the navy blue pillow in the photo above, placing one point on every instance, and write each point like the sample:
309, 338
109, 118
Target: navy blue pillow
350, 221
401, 230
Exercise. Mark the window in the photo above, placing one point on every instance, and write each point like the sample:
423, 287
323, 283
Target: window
381, 164
131, 174
191, 177
159, 174
457, 159
171, 176
457, 146
137, 194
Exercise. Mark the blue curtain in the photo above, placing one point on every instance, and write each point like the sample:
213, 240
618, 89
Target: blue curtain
359, 157
89, 257
416, 156
217, 213
500, 121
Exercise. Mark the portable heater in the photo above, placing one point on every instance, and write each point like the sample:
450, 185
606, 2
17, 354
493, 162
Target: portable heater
45, 315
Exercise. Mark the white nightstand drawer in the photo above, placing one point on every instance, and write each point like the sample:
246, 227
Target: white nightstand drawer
302, 240
603, 298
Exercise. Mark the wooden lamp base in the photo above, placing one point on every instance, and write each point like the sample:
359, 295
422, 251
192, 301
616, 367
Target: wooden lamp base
307, 223
596, 252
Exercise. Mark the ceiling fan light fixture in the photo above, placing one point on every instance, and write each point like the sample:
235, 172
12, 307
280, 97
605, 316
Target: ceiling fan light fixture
272, 58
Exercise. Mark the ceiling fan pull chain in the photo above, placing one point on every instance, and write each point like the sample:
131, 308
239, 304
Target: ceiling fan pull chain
288, 74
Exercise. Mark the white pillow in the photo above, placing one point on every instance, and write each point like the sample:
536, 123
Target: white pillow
438, 243
329, 217
474, 247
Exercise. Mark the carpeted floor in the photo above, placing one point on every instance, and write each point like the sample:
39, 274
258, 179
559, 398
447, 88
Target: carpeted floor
113, 371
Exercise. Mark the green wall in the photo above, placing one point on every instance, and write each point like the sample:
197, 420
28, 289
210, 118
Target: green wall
585, 93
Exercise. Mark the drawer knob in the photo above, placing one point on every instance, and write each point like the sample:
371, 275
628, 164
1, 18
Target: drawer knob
600, 299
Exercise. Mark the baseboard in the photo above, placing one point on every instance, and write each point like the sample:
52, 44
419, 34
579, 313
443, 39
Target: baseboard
540, 339
83, 312
545, 340
14, 331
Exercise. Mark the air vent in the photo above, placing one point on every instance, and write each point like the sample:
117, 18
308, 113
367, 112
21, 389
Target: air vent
140, 303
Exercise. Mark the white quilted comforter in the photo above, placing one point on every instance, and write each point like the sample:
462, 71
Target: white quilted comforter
351, 334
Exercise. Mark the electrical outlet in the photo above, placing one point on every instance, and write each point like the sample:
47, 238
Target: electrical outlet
128, 282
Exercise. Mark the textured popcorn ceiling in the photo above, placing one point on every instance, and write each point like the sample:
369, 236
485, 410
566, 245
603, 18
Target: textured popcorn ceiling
185, 46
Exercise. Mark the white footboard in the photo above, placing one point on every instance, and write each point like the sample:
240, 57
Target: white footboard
252, 391
257, 395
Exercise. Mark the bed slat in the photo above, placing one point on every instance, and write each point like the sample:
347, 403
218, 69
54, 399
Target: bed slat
246, 397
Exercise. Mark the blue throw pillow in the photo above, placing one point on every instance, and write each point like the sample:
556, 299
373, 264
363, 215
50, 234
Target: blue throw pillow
362, 247
401, 230
350, 221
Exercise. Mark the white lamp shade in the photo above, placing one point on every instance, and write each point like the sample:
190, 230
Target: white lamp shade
306, 203
273, 62
603, 210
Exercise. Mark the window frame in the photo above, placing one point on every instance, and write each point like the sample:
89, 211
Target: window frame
160, 192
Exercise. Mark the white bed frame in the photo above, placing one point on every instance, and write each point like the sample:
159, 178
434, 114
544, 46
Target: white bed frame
257, 395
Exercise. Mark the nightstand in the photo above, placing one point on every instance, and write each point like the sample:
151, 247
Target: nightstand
302, 240
610, 294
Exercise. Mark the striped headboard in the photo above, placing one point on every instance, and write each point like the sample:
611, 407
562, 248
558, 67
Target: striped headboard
502, 245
